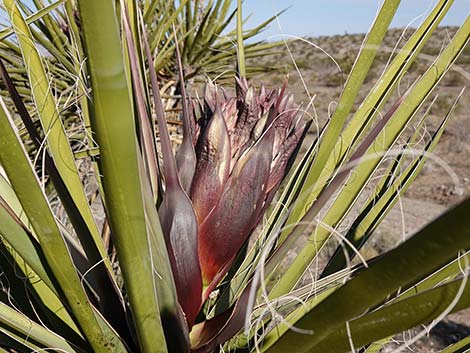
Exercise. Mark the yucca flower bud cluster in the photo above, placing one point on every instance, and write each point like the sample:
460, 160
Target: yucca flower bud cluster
235, 153
244, 146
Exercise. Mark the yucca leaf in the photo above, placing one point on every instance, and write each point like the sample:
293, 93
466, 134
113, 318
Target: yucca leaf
47, 302
57, 53
240, 47
210, 50
384, 140
14, 229
165, 26
372, 104
172, 316
189, 23
222, 327
419, 309
376, 346
11, 340
200, 27
425, 252
150, 7
5, 32
54, 33
320, 293
166, 53
10, 203
185, 156
391, 319
193, 48
83, 88
16, 234
224, 51
177, 217
462, 346
377, 208
28, 294
12, 320
120, 167
103, 281
173, 320
345, 103
10, 343
166, 291
148, 147
57, 141
288, 280
444, 274
215, 15
385, 85
23, 180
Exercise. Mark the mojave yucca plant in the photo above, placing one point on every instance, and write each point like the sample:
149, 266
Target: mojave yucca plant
188, 256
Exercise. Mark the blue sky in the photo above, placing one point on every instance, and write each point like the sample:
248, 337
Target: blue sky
326, 17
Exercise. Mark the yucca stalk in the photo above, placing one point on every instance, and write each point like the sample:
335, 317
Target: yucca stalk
188, 255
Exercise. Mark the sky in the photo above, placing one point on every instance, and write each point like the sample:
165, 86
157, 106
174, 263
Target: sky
329, 17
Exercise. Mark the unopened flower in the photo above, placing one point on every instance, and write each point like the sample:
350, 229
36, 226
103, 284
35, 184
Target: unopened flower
243, 147
234, 155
